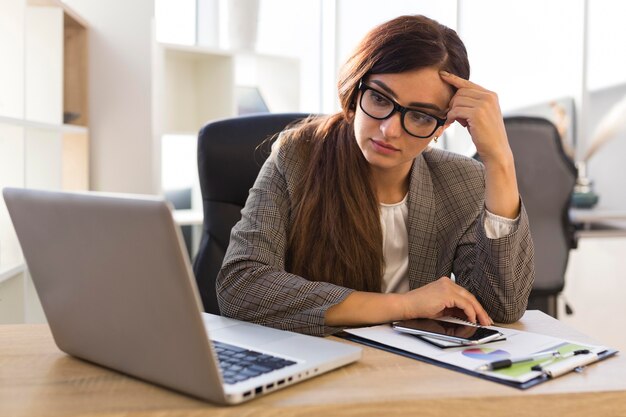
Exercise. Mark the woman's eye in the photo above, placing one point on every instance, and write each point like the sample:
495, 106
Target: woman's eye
378, 99
420, 118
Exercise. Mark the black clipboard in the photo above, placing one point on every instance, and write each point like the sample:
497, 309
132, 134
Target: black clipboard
519, 385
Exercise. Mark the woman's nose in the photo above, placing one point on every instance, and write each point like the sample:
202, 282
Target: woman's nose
392, 126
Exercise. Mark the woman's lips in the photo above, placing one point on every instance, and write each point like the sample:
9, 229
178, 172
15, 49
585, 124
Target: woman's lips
383, 147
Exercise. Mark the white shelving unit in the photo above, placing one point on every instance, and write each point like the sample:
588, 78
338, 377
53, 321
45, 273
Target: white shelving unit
193, 85
43, 82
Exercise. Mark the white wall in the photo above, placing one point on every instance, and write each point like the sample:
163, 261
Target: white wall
527, 51
357, 17
121, 153
607, 31
606, 167
606, 75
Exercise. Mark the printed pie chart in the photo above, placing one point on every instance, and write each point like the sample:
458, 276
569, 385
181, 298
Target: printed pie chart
486, 354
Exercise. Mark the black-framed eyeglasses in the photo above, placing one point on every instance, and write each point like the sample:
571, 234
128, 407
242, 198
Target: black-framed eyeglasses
380, 107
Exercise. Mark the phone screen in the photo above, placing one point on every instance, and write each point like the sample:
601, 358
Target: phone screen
445, 330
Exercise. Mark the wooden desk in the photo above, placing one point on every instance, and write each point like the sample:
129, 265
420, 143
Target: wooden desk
36, 379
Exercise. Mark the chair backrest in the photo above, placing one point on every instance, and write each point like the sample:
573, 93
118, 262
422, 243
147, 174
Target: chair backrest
229, 161
546, 178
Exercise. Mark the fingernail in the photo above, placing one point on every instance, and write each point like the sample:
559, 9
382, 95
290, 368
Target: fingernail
445, 73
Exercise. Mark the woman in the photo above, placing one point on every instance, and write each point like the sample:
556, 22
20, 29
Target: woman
355, 220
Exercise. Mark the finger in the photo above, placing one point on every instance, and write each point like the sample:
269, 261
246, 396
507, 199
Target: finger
460, 115
479, 94
451, 120
457, 81
465, 101
467, 307
454, 312
470, 114
482, 316
480, 313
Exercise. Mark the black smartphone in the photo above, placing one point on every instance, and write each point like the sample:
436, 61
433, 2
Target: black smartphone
463, 334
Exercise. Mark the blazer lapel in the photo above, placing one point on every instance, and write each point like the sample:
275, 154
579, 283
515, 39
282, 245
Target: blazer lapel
421, 226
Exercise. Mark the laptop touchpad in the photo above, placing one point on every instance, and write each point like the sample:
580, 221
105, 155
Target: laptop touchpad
249, 334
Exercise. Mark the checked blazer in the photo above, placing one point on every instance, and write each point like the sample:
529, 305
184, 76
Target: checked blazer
445, 232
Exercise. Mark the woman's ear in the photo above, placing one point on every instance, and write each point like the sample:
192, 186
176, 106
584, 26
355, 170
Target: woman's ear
351, 110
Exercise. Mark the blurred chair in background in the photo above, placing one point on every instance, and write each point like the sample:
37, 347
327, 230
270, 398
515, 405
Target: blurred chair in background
546, 177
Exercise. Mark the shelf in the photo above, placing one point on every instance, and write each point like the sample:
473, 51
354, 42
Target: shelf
43, 78
63, 128
197, 50
56, 39
11, 270
60, 4
194, 85
204, 50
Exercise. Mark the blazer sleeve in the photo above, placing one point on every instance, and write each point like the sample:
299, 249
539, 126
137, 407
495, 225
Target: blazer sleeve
499, 272
253, 284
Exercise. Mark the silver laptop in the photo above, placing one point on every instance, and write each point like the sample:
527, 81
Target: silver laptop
118, 290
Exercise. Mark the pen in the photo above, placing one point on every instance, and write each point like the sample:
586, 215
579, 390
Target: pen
506, 363
579, 359
541, 367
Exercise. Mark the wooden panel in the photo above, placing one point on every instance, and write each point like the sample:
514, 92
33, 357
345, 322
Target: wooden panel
75, 174
75, 70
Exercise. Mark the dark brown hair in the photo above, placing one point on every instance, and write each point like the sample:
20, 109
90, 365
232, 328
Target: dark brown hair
335, 233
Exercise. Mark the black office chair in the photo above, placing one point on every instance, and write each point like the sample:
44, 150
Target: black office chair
229, 160
546, 178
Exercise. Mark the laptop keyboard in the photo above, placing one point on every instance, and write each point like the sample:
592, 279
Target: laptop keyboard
238, 364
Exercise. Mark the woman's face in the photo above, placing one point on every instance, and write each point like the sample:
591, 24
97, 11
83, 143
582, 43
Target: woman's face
384, 143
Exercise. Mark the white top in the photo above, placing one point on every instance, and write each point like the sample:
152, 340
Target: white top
393, 218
